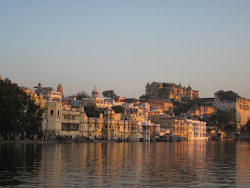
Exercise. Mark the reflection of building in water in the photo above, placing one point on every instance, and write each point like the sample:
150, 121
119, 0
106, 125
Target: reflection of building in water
242, 164
130, 164
51, 165
221, 163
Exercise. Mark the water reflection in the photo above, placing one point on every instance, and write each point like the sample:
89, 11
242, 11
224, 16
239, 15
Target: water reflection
195, 164
18, 160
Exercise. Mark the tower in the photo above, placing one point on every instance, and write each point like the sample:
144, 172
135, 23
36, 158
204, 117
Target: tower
60, 89
95, 93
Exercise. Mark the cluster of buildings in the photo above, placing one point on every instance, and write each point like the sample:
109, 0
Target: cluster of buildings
178, 93
65, 116
142, 119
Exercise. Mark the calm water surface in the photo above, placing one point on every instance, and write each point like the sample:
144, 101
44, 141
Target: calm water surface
182, 164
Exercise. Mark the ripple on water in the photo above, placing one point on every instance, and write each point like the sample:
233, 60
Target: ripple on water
185, 164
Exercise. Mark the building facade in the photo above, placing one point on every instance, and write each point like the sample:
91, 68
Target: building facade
186, 128
48, 93
173, 91
241, 106
201, 111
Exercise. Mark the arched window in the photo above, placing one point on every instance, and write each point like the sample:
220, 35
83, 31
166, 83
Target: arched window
58, 113
51, 112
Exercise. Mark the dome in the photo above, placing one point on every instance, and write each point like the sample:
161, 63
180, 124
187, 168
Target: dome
95, 91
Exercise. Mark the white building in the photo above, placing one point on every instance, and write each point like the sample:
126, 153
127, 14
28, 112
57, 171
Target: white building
49, 94
95, 100
196, 129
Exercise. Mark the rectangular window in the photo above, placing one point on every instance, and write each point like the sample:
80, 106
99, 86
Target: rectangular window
70, 126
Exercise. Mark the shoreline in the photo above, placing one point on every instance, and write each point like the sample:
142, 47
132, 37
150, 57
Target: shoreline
95, 141
29, 141
50, 141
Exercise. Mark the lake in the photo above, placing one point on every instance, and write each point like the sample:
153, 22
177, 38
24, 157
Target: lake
127, 164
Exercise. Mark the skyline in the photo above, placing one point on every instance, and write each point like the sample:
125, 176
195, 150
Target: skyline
124, 45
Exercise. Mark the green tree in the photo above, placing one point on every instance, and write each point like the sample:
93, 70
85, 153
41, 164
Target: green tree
109, 94
92, 111
18, 112
227, 95
118, 109
248, 126
81, 95
223, 120
182, 108
163, 93
145, 97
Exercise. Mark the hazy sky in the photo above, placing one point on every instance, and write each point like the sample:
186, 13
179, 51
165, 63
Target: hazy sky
122, 45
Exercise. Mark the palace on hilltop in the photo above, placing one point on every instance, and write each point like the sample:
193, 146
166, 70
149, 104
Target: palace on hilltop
170, 91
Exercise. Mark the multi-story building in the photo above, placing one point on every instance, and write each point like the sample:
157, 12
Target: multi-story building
117, 101
241, 106
201, 111
74, 102
161, 106
112, 126
63, 120
242, 111
187, 128
173, 91
49, 94
196, 129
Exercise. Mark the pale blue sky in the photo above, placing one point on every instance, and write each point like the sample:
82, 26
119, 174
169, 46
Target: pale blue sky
122, 45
